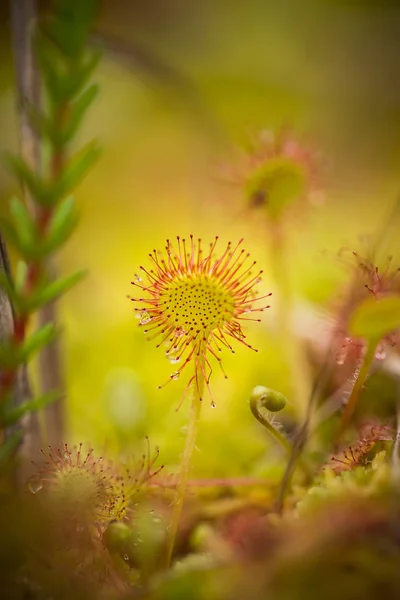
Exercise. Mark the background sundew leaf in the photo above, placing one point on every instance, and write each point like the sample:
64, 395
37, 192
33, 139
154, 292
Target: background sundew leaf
280, 180
373, 319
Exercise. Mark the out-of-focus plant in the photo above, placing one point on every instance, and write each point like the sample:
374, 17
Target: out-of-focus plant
280, 178
369, 479
374, 319
38, 231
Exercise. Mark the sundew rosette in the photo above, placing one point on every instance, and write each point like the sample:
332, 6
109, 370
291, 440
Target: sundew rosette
281, 171
195, 301
79, 487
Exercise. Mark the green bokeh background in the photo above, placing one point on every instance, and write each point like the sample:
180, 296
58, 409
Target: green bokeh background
327, 68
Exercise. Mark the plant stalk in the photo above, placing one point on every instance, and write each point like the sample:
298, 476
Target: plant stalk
298, 368
365, 368
279, 437
23, 16
286, 445
194, 418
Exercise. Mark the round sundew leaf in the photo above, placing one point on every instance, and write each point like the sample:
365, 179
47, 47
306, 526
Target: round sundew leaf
373, 319
276, 184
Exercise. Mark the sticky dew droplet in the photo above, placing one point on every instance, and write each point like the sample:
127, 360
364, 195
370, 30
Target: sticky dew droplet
175, 375
35, 486
145, 318
173, 358
179, 332
380, 354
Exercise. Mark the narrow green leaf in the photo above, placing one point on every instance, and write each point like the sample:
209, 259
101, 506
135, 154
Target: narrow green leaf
22, 171
33, 343
89, 64
21, 272
77, 168
44, 126
77, 112
71, 24
62, 224
373, 319
52, 64
24, 224
15, 414
54, 290
29, 249
8, 447
41, 192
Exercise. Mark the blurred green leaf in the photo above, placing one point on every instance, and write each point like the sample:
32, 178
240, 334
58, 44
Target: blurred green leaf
15, 414
62, 224
51, 291
42, 193
89, 63
275, 185
34, 342
375, 318
21, 272
8, 447
52, 65
24, 224
76, 169
43, 126
71, 24
77, 111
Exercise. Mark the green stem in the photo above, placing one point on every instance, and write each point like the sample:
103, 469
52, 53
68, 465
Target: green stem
357, 387
298, 367
279, 437
197, 391
286, 445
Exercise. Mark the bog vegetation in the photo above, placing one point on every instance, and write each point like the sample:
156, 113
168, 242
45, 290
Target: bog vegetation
316, 514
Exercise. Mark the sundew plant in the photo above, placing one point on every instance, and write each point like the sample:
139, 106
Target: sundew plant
199, 300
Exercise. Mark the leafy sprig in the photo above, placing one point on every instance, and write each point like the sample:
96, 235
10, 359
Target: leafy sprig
39, 230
